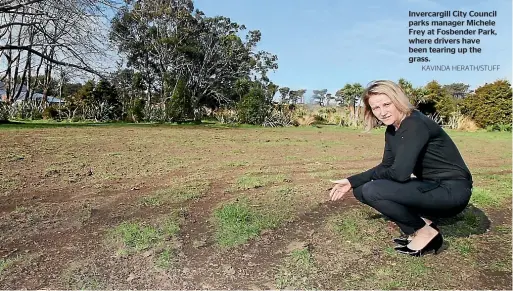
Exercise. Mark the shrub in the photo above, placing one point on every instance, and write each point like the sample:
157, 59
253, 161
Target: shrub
50, 112
4, 111
461, 122
300, 111
490, 105
467, 124
499, 127
327, 110
319, 118
226, 115
278, 118
306, 120
437, 100
254, 107
136, 110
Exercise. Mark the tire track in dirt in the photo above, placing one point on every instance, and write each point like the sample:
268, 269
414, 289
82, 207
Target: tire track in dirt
252, 265
58, 239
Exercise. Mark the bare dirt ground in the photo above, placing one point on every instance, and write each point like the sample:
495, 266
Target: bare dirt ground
64, 190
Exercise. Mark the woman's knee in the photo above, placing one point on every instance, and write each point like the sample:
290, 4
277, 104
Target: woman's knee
365, 192
357, 192
371, 191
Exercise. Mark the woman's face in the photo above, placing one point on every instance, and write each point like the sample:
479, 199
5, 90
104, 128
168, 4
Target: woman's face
384, 110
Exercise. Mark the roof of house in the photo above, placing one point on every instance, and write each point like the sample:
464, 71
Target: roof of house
39, 96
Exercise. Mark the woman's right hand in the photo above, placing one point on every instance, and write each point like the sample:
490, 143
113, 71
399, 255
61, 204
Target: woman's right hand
340, 189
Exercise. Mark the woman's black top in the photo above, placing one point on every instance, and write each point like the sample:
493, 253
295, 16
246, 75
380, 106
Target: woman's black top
420, 146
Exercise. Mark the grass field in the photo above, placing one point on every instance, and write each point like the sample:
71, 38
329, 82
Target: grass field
122, 206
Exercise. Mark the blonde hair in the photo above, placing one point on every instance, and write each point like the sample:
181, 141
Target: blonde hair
393, 91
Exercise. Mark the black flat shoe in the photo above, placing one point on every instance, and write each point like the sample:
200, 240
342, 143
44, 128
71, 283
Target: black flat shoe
434, 245
402, 241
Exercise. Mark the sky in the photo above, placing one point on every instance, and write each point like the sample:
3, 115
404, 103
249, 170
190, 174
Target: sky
325, 44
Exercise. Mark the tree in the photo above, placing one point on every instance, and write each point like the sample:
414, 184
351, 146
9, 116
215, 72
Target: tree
43, 37
438, 100
242, 87
271, 89
105, 92
284, 95
351, 94
319, 96
300, 94
328, 98
152, 34
84, 95
297, 96
224, 58
490, 104
254, 106
457, 90
416, 96
60, 32
180, 107
169, 38
341, 99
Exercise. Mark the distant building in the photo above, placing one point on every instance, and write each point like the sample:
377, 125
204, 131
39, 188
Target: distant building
24, 95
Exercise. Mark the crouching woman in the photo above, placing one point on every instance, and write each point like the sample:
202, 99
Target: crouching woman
422, 173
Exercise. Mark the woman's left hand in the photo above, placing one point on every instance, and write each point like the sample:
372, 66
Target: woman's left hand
340, 189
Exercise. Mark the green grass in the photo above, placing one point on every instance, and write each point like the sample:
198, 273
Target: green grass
353, 248
21, 210
175, 162
150, 201
237, 222
394, 272
359, 226
250, 181
37, 124
276, 202
485, 198
135, 236
416, 268
79, 276
7, 184
13, 157
6, 263
349, 229
494, 190
325, 174
463, 245
298, 271
165, 259
186, 191
392, 285
501, 266
505, 229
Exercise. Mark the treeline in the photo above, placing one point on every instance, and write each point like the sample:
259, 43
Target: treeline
487, 105
177, 62
178, 65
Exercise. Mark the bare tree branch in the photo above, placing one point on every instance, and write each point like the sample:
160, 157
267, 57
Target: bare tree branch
4, 8
29, 49
17, 24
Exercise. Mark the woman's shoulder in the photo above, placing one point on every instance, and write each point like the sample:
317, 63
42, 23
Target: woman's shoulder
415, 118
418, 120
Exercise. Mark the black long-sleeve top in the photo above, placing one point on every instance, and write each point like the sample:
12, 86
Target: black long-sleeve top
420, 146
